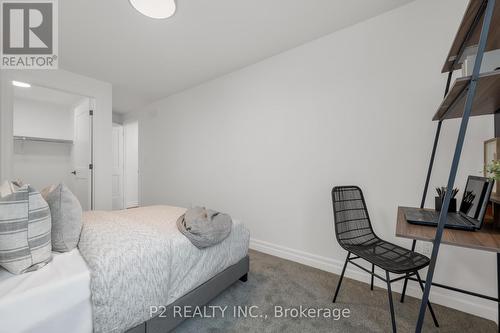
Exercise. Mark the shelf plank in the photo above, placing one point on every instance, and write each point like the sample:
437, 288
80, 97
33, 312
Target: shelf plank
486, 101
30, 138
486, 239
469, 32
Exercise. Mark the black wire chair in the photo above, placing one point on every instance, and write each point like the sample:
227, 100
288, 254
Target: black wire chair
355, 234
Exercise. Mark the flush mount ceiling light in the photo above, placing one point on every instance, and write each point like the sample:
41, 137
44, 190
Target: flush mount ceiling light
158, 9
21, 84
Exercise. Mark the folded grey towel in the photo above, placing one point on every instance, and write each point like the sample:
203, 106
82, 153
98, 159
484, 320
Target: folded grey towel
204, 227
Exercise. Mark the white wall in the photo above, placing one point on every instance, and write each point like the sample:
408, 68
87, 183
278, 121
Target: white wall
42, 120
491, 61
118, 118
73, 83
131, 163
42, 163
6, 126
268, 142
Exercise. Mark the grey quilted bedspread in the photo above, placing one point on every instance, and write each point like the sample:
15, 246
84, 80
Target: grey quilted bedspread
138, 258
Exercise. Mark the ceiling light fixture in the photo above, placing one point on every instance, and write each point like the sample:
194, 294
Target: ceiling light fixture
21, 84
157, 9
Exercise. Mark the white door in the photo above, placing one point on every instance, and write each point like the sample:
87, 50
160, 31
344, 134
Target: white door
117, 187
81, 154
131, 176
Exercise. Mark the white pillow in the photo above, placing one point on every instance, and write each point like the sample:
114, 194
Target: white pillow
66, 214
6, 188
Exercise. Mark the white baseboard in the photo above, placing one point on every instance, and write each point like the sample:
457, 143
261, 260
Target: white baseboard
132, 204
438, 296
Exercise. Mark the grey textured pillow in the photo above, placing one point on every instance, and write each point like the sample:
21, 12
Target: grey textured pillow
24, 229
66, 214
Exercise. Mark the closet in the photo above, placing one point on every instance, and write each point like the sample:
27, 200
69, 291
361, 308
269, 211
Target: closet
52, 140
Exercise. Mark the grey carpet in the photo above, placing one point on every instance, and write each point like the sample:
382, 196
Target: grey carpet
274, 281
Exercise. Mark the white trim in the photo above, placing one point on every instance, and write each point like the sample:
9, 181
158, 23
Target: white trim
132, 204
438, 296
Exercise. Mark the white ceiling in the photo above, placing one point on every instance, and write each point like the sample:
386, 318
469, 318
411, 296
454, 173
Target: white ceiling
46, 95
147, 59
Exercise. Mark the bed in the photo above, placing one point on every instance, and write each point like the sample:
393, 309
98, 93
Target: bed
138, 259
126, 262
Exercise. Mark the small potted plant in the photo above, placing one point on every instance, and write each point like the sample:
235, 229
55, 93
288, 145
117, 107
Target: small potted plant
494, 169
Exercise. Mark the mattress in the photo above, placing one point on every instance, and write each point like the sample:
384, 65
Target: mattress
139, 259
55, 298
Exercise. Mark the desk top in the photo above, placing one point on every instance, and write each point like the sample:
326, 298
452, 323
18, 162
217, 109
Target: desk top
486, 239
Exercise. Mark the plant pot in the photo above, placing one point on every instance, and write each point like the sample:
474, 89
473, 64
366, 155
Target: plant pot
451, 209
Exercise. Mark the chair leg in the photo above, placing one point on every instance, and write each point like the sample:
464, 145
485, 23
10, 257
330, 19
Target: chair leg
373, 271
391, 304
403, 293
341, 277
428, 302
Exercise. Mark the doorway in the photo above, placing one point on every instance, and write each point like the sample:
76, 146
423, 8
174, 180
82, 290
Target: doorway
53, 140
117, 189
131, 164
125, 165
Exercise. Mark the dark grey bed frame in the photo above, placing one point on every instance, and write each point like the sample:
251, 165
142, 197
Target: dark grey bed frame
197, 297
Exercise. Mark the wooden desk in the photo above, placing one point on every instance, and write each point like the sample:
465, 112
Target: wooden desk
486, 239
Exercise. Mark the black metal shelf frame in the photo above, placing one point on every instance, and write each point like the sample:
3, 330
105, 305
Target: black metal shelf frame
489, 6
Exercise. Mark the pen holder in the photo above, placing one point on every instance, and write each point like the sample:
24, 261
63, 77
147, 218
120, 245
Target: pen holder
451, 209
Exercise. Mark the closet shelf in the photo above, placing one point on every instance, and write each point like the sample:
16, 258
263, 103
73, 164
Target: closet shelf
31, 138
469, 32
486, 101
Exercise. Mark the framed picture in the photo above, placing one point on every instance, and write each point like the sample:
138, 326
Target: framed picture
491, 153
